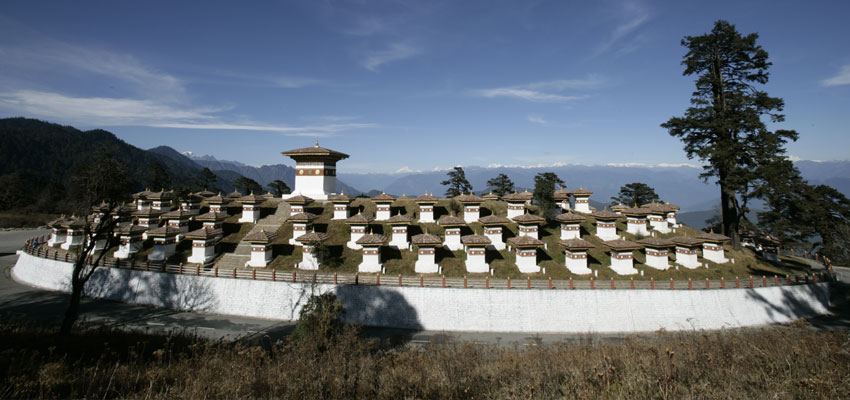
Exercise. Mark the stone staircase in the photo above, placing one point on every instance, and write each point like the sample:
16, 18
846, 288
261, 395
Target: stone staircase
242, 254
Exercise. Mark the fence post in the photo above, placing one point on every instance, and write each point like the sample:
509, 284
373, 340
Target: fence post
737, 282
465, 282
421, 281
147, 265
509, 282
335, 278
444, 280
592, 284
651, 283
254, 274
690, 284
550, 283
612, 283
180, 269
399, 280
571, 283
294, 276
707, 284
529, 282
752, 283
787, 280
486, 282
234, 273
198, 270
378, 279
66, 257
215, 270
633, 283
356, 278
775, 280
671, 284
763, 281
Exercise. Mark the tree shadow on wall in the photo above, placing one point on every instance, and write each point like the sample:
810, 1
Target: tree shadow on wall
794, 305
378, 306
492, 255
390, 253
441, 253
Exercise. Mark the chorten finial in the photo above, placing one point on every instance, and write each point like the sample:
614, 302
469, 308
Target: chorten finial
317, 142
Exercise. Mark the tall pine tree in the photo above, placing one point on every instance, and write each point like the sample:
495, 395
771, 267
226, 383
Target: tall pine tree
457, 183
724, 126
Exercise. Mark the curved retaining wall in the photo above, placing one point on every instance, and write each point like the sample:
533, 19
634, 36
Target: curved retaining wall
448, 309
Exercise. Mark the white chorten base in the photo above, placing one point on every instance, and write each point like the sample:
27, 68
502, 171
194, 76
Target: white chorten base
399, 240
340, 213
370, 263
126, 250
527, 264
352, 243
202, 254
577, 262
308, 261
382, 215
56, 239
71, 241
607, 233
452, 239
496, 242
687, 259
471, 215
657, 260
531, 231
515, 209
476, 263
250, 217
565, 205
425, 263
718, 256
637, 229
622, 263
660, 226
426, 216
570, 232
583, 207
161, 251
260, 259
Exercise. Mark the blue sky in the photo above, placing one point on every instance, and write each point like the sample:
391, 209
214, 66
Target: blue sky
412, 85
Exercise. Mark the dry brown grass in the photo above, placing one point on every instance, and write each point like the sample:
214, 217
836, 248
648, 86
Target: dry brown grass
783, 362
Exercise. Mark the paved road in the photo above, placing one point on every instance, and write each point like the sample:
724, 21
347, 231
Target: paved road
47, 306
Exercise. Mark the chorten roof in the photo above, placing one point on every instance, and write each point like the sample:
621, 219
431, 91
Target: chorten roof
635, 211
563, 194
312, 237
687, 241
426, 239
160, 195
469, 199
299, 200
177, 214
490, 196
211, 216
713, 237
527, 219
234, 195
205, 193
383, 198
218, 199
252, 199
164, 231
656, 242
582, 192
570, 217
517, 197
204, 233
302, 217
426, 198
315, 151
261, 236
451, 220
131, 230
340, 198
148, 212
359, 219
475, 240
525, 242
605, 215
491, 220
399, 219
622, 245
372, 239
576, 244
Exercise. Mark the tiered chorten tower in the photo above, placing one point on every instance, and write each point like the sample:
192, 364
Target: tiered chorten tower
315, 171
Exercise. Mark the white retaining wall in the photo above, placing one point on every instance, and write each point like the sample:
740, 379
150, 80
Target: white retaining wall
449, 309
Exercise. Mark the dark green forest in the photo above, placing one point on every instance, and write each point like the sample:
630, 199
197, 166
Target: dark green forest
40, 160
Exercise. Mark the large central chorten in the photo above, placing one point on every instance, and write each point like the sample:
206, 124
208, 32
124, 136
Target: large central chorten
315, 171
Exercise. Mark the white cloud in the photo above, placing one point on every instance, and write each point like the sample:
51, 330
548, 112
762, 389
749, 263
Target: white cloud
407, 170
843, 78
648, 165
635, 16
542, 92
395, 52
121, 111
537, 119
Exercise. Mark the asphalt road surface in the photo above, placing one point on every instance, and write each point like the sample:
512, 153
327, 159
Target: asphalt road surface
21, 301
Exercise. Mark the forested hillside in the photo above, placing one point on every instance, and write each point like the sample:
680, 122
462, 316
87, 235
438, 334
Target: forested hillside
39, 160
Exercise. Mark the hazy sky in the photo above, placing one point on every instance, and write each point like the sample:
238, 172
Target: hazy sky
409, 84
